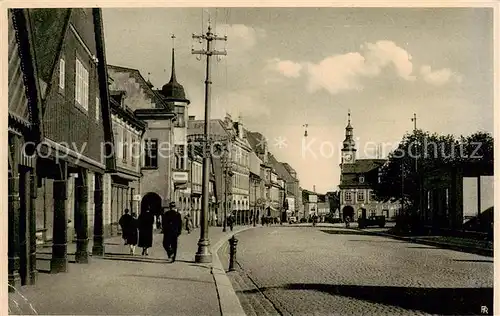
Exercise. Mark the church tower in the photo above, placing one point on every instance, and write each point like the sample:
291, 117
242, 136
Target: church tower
349, 148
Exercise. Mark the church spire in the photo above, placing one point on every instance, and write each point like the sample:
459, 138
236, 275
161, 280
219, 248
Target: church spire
349, 143
172, 77
174, 91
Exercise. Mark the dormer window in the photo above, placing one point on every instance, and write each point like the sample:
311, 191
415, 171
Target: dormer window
361, 179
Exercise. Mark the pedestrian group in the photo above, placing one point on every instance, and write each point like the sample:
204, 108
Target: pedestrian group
138, 231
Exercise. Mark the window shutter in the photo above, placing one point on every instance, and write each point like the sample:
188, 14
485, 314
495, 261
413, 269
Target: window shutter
97, 108
62, 72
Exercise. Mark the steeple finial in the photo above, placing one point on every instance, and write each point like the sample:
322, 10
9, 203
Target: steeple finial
172, 77
349, 116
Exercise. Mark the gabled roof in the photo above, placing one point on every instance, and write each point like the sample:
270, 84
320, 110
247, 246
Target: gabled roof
216, 128
49, 30
256, 141
280, 169
136, 74
363, 165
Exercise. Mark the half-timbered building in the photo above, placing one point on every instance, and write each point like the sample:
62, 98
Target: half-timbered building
77, 146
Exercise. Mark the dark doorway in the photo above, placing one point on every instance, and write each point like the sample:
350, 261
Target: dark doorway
153, 201
348, 211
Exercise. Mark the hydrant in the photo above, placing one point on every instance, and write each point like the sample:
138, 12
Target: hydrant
232, 252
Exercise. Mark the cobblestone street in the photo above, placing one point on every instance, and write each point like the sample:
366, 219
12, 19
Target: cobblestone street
319, 271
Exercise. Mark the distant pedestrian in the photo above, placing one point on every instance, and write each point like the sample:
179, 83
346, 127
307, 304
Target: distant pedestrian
132, 233
124, 223
172, 227
189, 223
230, 221
146, 221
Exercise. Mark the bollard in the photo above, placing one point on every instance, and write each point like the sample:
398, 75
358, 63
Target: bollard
232, 252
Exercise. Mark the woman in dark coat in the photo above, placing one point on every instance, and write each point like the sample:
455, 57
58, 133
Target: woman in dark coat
146, 221
132, 233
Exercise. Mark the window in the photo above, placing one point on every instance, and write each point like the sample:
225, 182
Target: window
97, 108
118, 142
82, 85
151, 153
180, 111
373, 213
373, 197
361, 195
62, 73
361, 179
134, 150
125, 145
348, 196
180, 157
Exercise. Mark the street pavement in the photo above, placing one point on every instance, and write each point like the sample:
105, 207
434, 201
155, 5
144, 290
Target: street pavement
120, 284
334, 271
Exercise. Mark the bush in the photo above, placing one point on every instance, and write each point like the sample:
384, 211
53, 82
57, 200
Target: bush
408, 224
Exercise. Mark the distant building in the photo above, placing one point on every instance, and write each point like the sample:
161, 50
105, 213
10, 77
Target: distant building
310, 201
356, 192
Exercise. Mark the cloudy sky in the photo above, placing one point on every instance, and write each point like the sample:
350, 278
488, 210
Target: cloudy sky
287, 67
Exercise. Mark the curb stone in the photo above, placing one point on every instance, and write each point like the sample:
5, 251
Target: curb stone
462, 248
229, 303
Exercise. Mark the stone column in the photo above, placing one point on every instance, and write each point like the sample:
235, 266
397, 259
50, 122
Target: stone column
98, 247
59, 262
81, 218
14, 278
33, 272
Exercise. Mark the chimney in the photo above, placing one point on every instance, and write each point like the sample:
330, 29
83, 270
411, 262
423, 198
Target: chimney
191, 117
314, 188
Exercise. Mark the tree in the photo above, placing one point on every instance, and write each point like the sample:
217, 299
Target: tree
420, 152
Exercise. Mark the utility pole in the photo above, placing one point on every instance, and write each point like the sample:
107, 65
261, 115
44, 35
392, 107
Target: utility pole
414, 120
203, 255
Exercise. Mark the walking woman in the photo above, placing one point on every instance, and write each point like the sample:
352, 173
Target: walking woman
146, 221
132, 233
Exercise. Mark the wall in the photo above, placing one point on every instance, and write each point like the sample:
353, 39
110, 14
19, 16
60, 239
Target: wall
159, 180
80, 126
470, 195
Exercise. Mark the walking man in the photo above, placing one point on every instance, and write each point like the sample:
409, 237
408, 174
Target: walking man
172, 227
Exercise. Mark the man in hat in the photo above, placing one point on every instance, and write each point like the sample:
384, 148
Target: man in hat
172, 227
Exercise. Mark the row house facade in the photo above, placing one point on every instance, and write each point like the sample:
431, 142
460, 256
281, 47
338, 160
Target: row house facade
122, 188
195, 166
256, 188
67, 50
230, 168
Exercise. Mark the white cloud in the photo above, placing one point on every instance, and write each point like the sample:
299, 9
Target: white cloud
385, 53
336, 73
438, 77
343, 72
287, 68
240, 37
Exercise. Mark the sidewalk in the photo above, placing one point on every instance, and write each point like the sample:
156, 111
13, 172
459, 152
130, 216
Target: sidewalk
480, 247
120, 284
